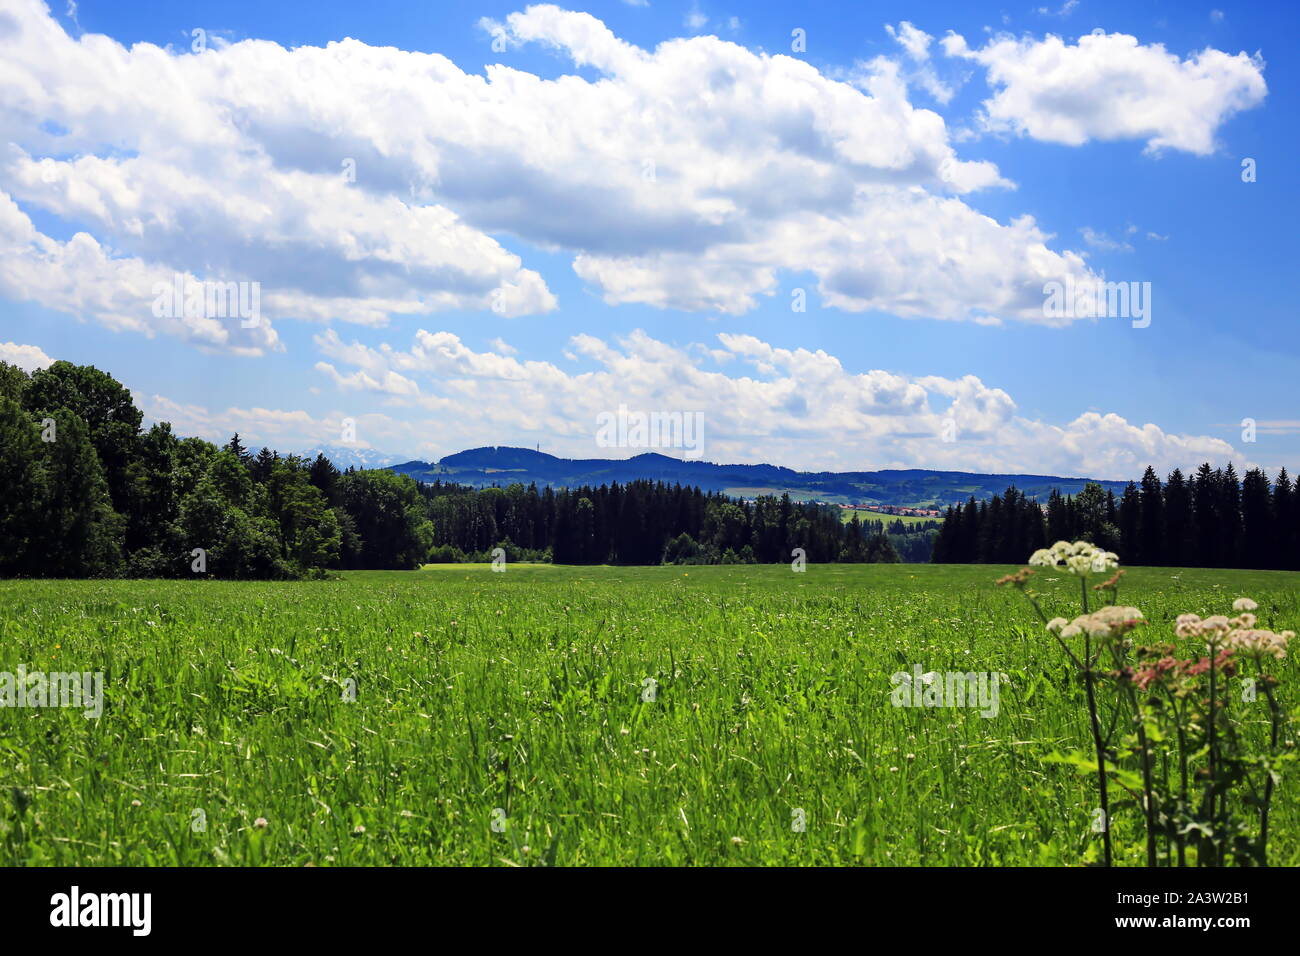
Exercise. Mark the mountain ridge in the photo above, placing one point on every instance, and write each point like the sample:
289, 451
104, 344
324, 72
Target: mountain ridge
490, 465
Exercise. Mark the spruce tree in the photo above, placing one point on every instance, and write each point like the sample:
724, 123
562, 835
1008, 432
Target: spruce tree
1230, 516
1284, 532
1130, 521
1205, 501
1257, 522
1152, 544
1180, 532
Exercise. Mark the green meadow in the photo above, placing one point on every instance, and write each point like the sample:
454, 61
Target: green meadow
846, 515
572, 715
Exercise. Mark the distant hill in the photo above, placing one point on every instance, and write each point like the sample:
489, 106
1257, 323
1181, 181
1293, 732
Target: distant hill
909, 488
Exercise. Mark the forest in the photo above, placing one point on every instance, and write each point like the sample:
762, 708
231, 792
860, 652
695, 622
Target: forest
1214, 519
89, 492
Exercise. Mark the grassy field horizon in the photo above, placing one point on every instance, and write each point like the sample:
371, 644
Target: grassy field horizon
571, 715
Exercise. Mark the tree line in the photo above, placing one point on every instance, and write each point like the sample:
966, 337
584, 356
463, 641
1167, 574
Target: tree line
90, 493
645, 522
1214, 519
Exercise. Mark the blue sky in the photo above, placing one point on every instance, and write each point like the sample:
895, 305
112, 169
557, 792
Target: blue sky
652, 215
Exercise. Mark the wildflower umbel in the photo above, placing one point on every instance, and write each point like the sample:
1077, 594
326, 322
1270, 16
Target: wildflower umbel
1260, 643
1107, 623
1177, 674
1238, 633
1111, 583
1104, 626
1080, 558
1176, 707
1018, 579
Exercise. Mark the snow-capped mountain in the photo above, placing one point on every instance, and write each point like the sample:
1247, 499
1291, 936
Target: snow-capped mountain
345, 456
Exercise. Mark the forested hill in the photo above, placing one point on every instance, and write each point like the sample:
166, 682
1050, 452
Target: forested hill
908, 488
89, 492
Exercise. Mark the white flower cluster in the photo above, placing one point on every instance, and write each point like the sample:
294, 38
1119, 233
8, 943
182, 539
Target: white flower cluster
1109, 622
1237, 632
1258, 643
1081, 558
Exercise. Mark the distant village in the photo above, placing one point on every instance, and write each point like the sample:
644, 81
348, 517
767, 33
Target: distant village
895, 510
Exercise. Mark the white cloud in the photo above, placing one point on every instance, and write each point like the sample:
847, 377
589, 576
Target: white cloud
1063, 11
1100, 240
1111, 87
286, 430
916, 44
1278, 426
688, 177
174, 165
80, 276
376, 254
29, 358
761, 404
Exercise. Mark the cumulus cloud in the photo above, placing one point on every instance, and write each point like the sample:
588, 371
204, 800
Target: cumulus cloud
1108, 86
359, 183
82, 277
168, 163
29, 358
761, 403
916, 44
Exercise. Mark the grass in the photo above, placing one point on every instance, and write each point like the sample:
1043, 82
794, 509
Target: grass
846, 515
523, 691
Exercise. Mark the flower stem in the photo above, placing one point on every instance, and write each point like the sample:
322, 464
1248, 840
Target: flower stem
1148, 791
1211, 858
1275, 716
1097, 744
